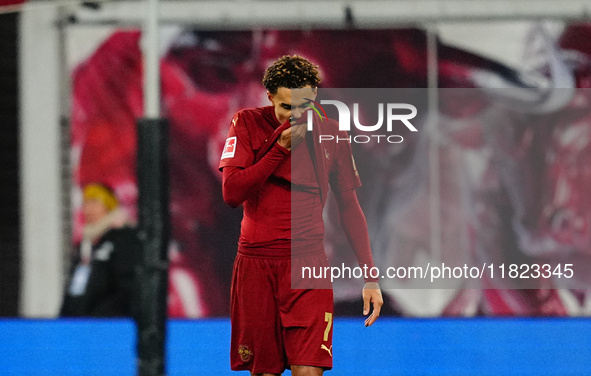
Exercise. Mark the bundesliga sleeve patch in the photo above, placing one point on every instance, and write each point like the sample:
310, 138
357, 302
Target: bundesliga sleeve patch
229, 148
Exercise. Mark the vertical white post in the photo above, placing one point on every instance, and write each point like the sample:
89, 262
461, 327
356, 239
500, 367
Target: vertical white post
41, 206
65, 97
434, 138
151, 61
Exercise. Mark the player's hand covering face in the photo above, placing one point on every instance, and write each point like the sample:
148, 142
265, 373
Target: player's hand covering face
292, 136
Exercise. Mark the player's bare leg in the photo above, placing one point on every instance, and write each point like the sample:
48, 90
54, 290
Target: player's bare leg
306, 371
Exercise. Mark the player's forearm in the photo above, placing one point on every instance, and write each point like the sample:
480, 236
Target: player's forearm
354, 225
239, 183
355, 228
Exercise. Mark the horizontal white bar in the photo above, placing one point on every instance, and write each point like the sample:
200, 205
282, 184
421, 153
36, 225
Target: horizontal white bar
331, 13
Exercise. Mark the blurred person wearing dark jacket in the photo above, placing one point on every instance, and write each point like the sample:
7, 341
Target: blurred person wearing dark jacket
102, 274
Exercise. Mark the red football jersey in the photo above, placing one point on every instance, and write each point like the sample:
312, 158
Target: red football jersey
286, 212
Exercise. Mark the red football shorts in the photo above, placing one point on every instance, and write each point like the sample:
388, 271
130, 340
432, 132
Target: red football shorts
273, 325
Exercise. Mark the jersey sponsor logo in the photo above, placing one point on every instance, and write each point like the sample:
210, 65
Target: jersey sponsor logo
229, 148
328, 349
245, 353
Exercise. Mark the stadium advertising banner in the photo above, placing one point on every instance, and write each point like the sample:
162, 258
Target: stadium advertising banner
475, 192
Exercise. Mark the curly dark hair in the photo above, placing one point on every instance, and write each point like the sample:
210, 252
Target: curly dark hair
292, 72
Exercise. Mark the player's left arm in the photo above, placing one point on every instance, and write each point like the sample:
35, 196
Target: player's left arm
355, 227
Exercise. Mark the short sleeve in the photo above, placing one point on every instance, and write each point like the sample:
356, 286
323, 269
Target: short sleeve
344, 175
237, 150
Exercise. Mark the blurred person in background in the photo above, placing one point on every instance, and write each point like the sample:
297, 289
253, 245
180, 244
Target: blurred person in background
102, 274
